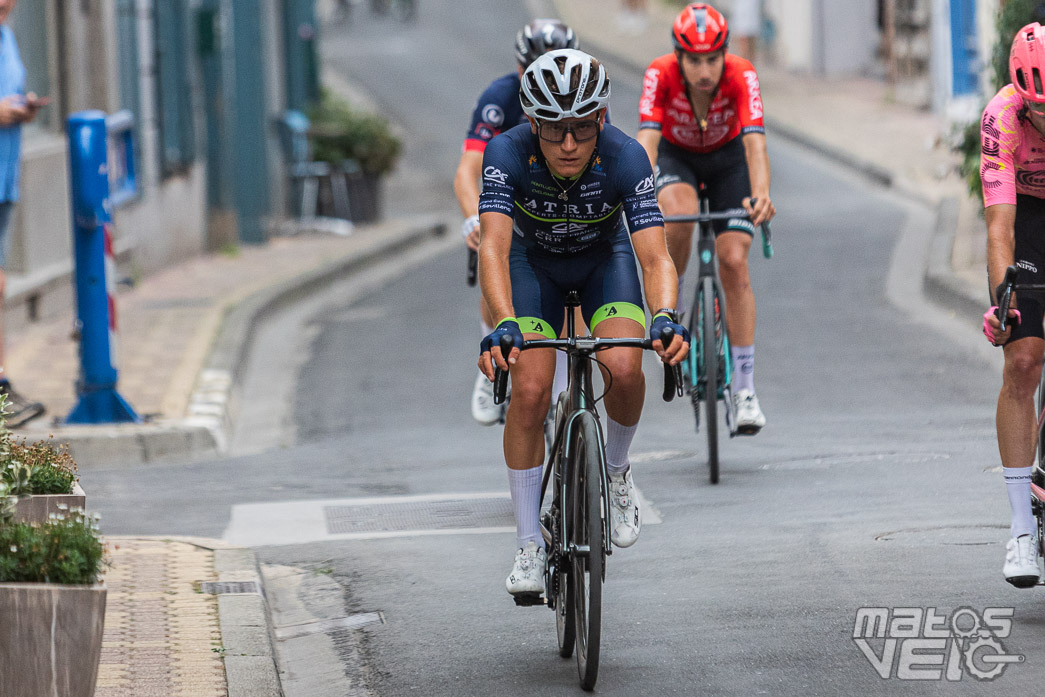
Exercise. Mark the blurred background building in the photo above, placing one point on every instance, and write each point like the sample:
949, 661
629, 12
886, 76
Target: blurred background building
934, 52
205, 80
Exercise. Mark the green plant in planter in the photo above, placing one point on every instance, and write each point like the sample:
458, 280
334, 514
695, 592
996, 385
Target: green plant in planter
67, 549
50, 468
340, 132
33, 469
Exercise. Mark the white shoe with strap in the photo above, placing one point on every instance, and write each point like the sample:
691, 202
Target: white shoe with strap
624, 510
527, 576
483, 409
750, 418
1021, 561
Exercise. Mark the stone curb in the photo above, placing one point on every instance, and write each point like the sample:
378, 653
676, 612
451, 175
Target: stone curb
205, 431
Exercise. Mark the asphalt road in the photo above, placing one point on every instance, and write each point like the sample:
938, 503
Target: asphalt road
873, 484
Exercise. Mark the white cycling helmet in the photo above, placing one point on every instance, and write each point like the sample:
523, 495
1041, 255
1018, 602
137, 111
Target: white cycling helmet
563, 84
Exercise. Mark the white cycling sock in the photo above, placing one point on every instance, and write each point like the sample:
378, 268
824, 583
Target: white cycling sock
618, 443
743, 367
562, 376
1017, 481
525, 486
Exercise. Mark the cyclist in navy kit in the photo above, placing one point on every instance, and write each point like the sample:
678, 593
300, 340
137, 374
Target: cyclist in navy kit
568, 203
497, 110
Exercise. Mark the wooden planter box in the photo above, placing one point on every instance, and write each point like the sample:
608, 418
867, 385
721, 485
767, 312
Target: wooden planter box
36, 509
50, 639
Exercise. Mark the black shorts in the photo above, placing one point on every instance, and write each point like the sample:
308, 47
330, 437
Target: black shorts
723, 172
1030, 263
606, 278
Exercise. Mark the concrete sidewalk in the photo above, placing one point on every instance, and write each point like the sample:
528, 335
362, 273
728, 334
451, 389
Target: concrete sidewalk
183, 336
855, 121
185, 618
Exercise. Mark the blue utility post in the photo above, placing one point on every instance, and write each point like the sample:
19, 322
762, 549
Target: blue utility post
98, 400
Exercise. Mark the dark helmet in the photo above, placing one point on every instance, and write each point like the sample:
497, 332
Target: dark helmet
540, 36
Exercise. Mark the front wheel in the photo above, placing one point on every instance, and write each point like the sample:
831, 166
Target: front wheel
565, 618
586, 546
709, 354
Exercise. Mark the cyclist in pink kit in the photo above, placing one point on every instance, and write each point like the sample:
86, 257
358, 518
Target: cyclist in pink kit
1012, 170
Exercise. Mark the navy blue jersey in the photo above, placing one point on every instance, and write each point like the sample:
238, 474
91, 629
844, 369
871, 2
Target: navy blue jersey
617, 186
498, 109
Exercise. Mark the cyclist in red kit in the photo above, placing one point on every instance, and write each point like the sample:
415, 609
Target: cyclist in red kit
701, 124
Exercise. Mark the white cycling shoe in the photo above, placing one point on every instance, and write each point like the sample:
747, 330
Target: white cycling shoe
1021, 561
527, 576
624, 510
483, 409
750, 418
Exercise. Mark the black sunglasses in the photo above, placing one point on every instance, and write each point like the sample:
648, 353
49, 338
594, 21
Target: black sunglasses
555, 132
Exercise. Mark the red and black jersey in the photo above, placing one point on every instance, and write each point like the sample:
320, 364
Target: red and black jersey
736, 108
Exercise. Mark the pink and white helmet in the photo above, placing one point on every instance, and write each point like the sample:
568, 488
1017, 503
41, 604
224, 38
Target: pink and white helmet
1027, 62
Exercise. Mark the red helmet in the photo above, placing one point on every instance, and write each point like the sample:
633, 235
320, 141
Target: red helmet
700, 28
1027, 62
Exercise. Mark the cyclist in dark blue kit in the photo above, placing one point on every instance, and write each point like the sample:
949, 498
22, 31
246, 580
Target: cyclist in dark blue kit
568, 203
497, 110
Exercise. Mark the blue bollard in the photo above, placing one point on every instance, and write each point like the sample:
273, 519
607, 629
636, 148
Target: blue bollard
98, 400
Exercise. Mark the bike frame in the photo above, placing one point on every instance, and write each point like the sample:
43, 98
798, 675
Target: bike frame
707, 261
580, 401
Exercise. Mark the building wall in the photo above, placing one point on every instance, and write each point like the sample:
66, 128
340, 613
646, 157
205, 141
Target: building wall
849, 36
276, 99
793, 33
824, 37
166, 224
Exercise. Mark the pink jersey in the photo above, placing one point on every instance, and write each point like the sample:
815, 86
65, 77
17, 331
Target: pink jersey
1012, 160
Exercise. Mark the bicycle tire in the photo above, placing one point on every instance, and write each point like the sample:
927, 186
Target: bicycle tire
586, 571
1041, 427
694, 363
1037, 507
710, 346
565, 622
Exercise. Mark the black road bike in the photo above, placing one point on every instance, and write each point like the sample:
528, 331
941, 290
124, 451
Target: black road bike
576, 526
708, 371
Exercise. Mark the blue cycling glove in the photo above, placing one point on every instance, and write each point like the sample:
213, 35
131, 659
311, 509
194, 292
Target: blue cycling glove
663, 321
507, 326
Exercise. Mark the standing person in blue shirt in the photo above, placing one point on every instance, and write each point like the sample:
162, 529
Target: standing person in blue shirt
16, 108
568, 204
497, 110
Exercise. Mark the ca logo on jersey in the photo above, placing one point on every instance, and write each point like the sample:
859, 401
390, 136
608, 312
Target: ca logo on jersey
536, 326
495, 175
645, 186
612, 312
493, 115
